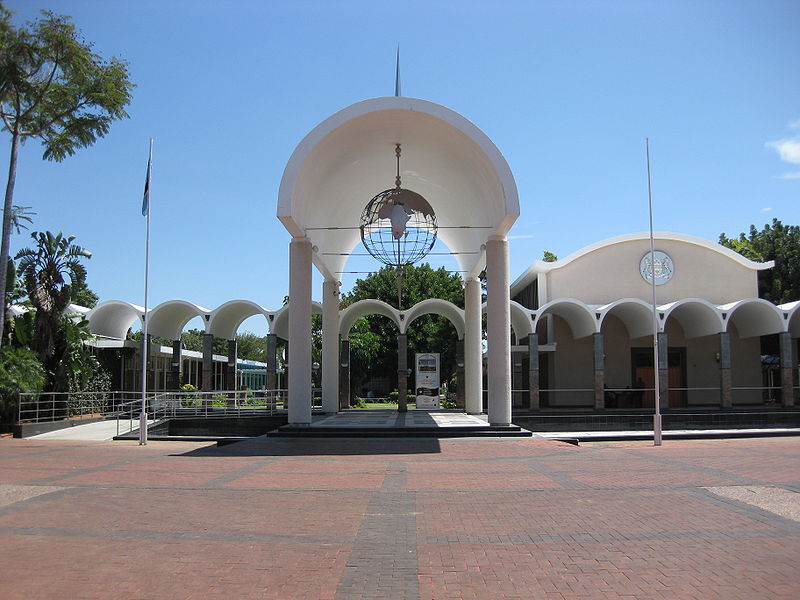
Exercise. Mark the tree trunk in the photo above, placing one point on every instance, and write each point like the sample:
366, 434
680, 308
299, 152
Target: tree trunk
7, 217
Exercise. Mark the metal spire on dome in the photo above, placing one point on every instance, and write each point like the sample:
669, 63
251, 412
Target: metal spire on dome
397, 73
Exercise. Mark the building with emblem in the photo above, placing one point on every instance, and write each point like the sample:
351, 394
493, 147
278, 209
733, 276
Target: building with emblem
590, 318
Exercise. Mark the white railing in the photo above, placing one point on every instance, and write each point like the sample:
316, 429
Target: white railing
750, 396
59, 406
216, 404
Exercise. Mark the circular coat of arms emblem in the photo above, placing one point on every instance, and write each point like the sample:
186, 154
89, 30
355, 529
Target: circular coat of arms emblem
661, 268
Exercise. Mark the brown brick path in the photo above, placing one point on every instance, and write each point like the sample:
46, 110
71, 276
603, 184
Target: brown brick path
395, 519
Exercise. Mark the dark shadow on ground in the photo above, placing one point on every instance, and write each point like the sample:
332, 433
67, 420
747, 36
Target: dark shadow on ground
320, 447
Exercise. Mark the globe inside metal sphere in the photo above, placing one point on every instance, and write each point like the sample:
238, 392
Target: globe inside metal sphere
398, 227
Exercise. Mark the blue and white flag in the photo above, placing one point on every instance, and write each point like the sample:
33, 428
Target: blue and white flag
146, 198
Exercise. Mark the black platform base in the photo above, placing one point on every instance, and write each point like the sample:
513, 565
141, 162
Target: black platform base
394, 432
679, 419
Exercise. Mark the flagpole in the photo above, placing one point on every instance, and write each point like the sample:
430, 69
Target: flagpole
657, 413
145, 350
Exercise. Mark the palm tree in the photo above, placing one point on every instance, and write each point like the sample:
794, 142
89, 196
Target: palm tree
20, 215
51, 270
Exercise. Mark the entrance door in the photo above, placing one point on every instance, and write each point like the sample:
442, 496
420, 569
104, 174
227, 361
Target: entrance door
642, 372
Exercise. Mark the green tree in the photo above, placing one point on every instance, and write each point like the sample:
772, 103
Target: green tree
83, 296
373, 339
777, 242
53, 88
20, 371
155, 340
549, 257
50, 270
78, 368
192, 339
20, 215
250, 346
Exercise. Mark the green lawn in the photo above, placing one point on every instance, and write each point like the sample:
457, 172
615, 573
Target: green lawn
387, 405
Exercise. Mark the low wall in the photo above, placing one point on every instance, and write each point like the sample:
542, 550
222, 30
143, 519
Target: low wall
669, 420
24, 430
225, 426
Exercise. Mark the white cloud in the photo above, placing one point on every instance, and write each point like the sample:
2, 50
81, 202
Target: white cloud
790, 176
789, 150
521, 237
766, 209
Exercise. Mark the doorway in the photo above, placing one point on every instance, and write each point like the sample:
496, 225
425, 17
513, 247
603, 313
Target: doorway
642, 376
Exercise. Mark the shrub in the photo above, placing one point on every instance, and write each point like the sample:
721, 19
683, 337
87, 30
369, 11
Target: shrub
93, 397
190, 402
447, 403
20, 372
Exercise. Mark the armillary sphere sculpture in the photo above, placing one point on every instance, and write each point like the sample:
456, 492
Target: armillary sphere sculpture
398, 227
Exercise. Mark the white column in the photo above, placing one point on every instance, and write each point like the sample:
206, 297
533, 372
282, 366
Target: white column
498, 328
330, 346
473, 359
300, 331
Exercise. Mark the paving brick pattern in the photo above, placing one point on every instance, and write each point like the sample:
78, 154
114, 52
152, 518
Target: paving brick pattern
354, 519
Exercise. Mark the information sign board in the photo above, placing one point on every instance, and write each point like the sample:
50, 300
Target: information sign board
428, 370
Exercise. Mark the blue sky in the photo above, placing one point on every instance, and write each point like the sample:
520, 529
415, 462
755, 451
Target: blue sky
566, 90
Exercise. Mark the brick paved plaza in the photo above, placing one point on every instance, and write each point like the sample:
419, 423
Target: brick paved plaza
394, 519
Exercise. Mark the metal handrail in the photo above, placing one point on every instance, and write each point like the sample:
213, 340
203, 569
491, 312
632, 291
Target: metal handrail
217, 403
57, 406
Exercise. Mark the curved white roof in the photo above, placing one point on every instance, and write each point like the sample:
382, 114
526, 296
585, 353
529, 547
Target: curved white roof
279, 325
635, 314
225, 319
792, 317
113, 318
581, 318
754, 317
362, 308
697, 316
436, 306
521, 319
168, 318
350, 157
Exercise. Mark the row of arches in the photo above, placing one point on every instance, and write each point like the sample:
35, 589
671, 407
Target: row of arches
114, 318
752, 317
613, 331
740, 353
698, 317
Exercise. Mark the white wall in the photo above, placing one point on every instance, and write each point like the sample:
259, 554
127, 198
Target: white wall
612, 272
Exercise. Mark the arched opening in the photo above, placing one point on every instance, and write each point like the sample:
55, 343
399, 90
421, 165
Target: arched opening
566, 369
436, 326
348, 158
690, 378
755, 327
372, 373
622, 322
